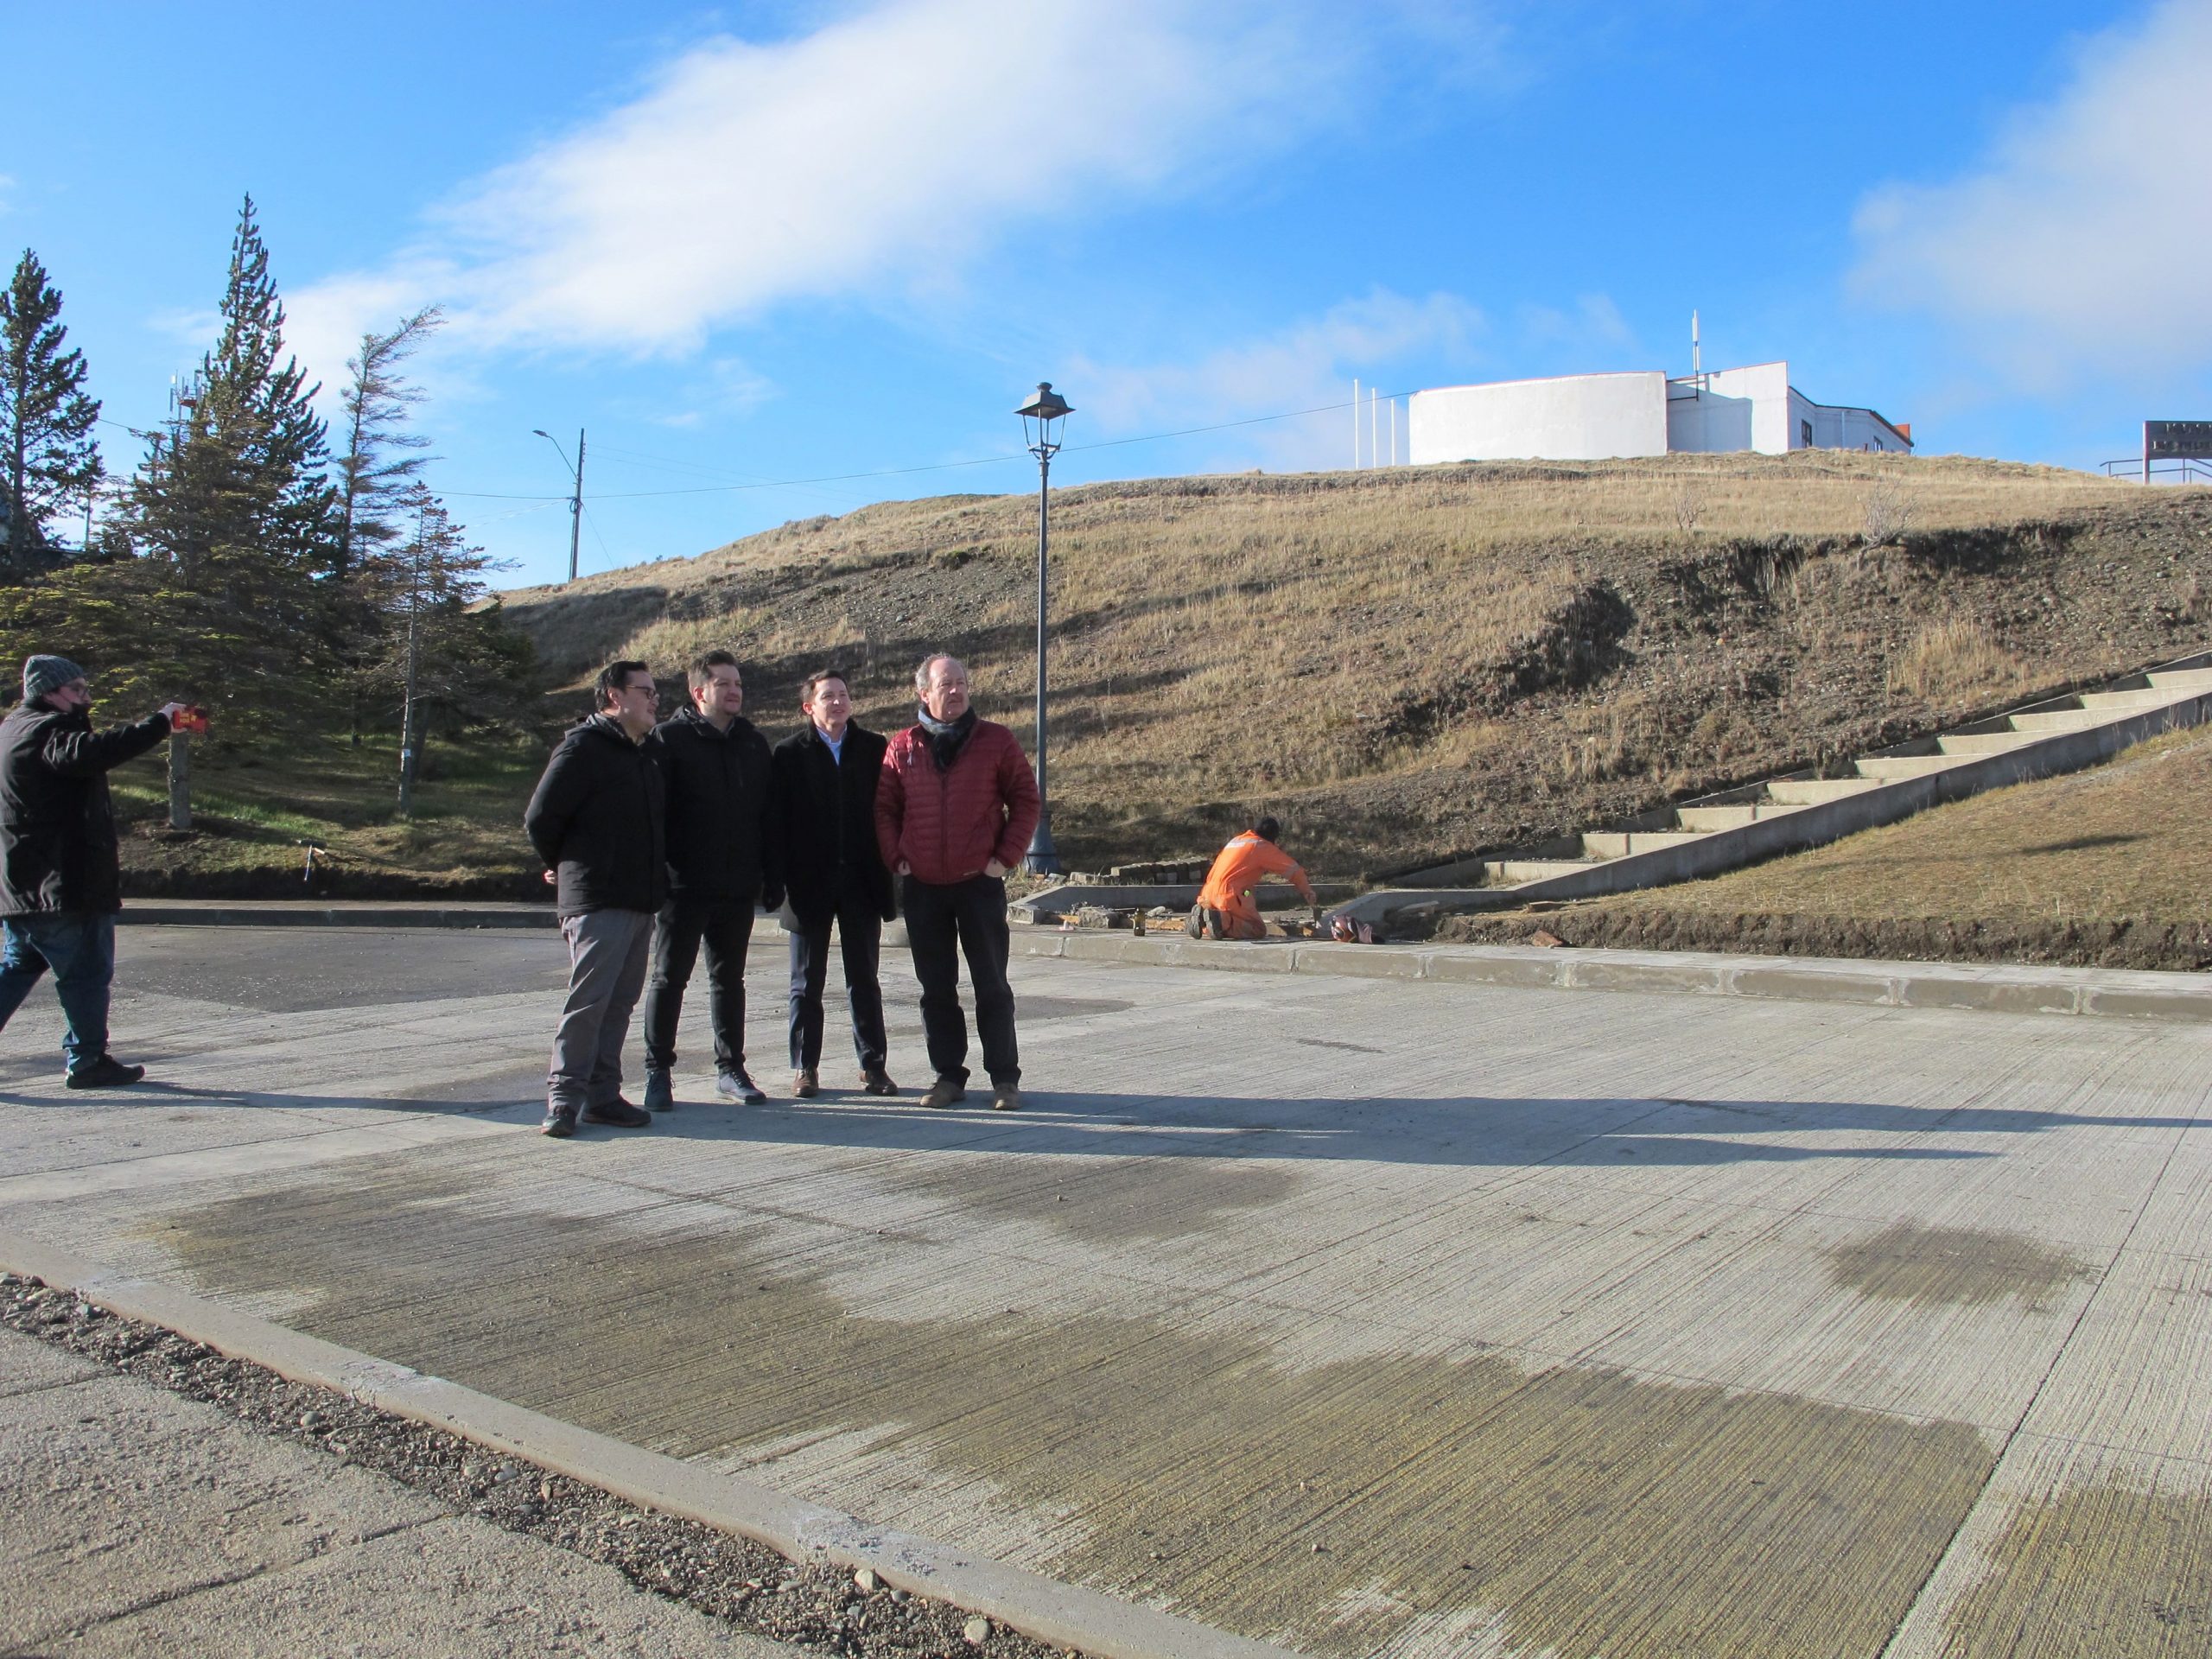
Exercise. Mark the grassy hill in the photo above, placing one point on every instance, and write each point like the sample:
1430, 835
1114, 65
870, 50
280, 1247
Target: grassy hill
1414, 664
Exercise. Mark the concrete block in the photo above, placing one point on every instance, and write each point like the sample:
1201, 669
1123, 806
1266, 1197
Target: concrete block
1530, 969
1806, 982
1996, 995
2129, 1003
1361, 961
1613, 975
1039, 942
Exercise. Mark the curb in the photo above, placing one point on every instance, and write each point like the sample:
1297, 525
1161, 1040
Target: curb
1065, 1615
2109, 993
289, 913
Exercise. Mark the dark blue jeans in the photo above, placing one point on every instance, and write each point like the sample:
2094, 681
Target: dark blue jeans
968, 917
79, 946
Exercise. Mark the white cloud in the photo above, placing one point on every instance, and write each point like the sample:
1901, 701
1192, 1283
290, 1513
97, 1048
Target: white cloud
884, 151
2080, 242
1307, 365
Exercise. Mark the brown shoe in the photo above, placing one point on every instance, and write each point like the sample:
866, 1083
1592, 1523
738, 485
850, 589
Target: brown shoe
1006, 1097
945, 1091
805, 1085
875, 1080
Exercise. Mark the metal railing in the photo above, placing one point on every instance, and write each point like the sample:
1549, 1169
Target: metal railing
2178, 471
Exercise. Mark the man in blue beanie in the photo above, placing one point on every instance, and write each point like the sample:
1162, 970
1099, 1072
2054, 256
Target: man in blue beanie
60, 876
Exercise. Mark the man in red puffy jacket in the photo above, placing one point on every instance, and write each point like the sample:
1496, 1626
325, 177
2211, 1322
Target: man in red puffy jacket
954, 812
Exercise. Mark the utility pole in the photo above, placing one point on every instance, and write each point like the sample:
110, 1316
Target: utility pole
576, 506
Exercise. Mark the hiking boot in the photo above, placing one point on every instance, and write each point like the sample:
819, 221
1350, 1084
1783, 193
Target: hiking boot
1005, 1097
660, 1092
1195, 927
945, 1091
560, 1123
739, 1085
618, 1114
105, 1072
805, 1084
875, 1080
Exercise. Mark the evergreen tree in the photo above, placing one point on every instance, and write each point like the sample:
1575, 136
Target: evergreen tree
439, 652
47, 456
239, 479
381, 458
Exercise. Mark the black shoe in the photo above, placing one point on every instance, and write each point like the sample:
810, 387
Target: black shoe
618, 1114
559, 1123
875, 1080
739, 1085
105, 1072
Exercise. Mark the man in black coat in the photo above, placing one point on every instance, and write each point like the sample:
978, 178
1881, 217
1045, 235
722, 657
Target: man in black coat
719, 801
833, 871
60, 876
598, 821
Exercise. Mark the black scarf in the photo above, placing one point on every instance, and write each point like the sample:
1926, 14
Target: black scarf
947, 738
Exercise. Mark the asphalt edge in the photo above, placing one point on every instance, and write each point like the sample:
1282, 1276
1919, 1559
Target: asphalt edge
1992, 988
1065, 1615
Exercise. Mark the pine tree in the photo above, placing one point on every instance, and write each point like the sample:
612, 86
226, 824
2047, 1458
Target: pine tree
239, 481
439, 651
47, 448
380, 459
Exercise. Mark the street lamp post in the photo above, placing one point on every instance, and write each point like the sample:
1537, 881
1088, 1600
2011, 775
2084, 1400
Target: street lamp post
1040, 418
575, 501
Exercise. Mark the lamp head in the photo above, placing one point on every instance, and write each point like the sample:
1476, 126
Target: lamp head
1045, 409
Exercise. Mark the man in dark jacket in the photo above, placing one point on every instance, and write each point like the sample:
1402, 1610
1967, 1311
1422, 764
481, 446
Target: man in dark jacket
60, 878
826, 779
954, 812
597, 820
716, 766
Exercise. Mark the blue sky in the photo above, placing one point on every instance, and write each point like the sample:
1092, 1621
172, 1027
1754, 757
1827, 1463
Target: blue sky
754, 243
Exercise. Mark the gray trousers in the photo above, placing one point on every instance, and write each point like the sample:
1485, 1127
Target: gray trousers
607, 952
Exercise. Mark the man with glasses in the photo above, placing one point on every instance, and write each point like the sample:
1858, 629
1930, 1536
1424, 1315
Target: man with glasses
954, 810
61, 873
598, 821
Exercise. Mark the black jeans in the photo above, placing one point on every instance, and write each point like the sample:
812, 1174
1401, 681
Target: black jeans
725, 926
860, 933
973, 914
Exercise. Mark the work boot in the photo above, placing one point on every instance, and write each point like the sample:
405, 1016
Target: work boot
105, 1072
618, 1114
875, 1080
945, 1091
1195, 927
805, 1083
660, 1092
1005, 1097
560, 1123
738, 1085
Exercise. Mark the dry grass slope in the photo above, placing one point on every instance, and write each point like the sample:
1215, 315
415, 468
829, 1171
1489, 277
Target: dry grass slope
1411, 663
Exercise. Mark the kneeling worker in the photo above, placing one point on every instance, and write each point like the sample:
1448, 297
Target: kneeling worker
1226, 909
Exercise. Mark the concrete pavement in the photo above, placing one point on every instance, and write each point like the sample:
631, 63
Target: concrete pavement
1368, 1317
138, 1522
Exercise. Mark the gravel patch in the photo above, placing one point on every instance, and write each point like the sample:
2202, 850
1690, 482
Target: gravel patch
748, 1585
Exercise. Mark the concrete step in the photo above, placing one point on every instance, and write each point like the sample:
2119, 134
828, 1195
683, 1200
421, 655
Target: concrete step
2184, 680
1888, 768
2045, 722
2126, 702
1967, 743
1619, 843
1706, 819
1816, 791
1513, 872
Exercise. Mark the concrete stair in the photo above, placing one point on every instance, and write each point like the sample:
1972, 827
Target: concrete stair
1785, 814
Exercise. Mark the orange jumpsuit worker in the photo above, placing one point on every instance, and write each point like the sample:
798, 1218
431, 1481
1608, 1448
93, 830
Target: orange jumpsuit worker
1225, 907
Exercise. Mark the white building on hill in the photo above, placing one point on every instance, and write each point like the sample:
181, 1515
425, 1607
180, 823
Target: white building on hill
1598, 416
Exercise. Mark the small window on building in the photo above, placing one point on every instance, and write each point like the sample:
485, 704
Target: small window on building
1805, 431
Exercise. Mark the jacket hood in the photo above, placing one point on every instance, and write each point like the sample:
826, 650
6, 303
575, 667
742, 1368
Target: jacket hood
604, 726
737, 722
